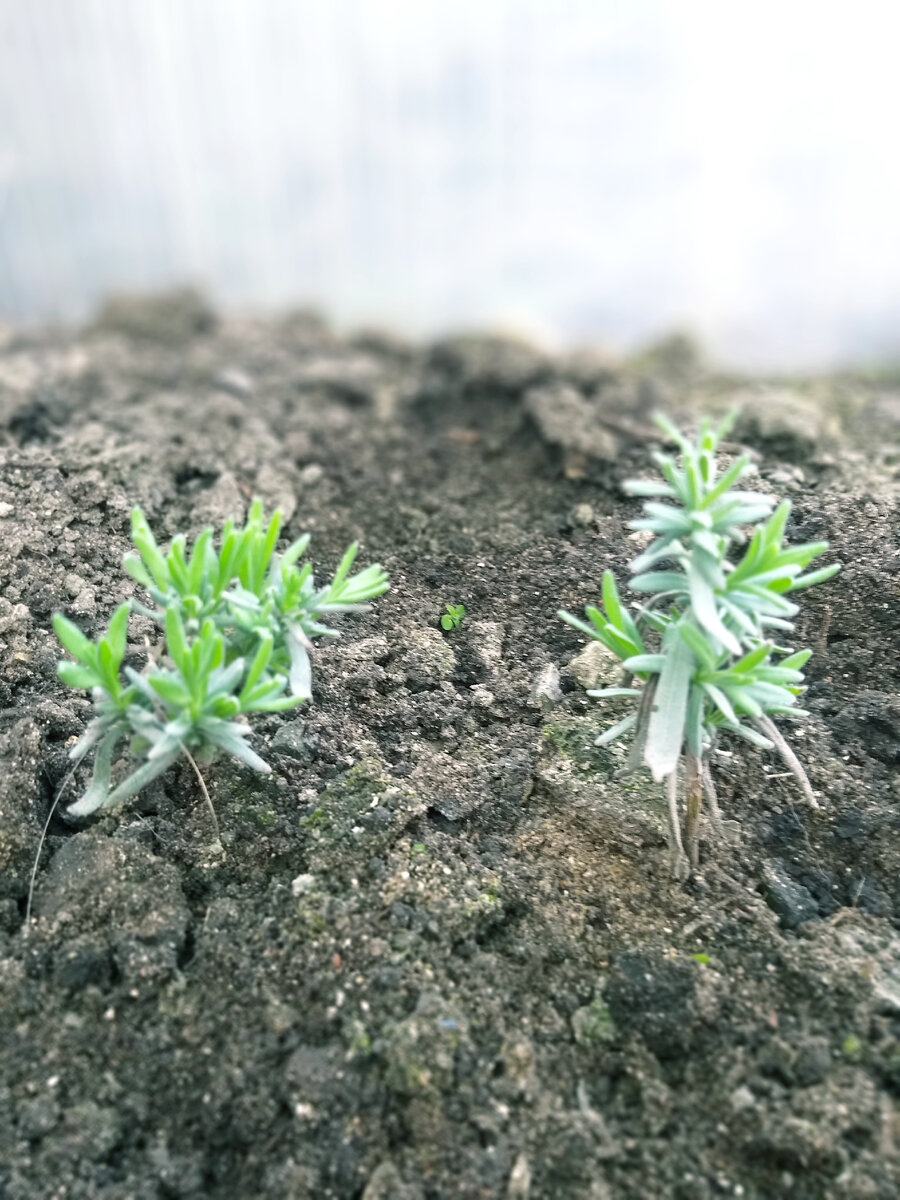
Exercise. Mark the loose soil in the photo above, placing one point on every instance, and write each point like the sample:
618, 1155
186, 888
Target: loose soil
442, 954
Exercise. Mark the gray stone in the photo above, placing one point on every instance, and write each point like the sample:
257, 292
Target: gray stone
312, 1074
235, 381
89, 1132
181, 1175
596, 667
792, 422
386, 1183
741, 1099
312, 474
426, 658
519, 1186
545, 690
813, 1061
793, 903
566, 418
37, 1117
486, 641
295, 741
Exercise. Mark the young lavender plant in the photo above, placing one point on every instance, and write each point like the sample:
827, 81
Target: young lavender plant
715, 601
238, 625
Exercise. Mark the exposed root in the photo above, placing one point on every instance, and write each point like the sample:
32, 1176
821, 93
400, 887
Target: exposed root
767, 726
712, 803
681, 868
37, 857
206, 795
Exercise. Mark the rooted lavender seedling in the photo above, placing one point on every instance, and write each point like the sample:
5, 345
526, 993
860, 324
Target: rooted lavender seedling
712, 667
238, 622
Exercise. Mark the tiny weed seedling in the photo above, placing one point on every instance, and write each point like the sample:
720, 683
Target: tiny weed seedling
715, 599
238, 625
453, 617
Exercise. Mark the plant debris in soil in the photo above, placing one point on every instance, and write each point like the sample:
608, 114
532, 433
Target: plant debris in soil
441, 955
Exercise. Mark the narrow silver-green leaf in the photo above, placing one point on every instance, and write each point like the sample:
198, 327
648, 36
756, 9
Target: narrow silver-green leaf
659, 581
819, 576
665, 730
698, 644
647, 487
749, 735
616, 731
644, 662
97, 792
74, 640
703, 603
721, 701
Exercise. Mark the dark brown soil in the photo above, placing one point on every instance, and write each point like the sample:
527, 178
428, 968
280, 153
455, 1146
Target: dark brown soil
443, 955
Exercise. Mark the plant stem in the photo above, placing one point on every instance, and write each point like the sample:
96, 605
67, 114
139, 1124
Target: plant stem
645, 707
680, 865
693, 787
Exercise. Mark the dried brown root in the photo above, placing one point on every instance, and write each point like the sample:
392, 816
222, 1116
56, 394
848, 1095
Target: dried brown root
693, 787
681, 868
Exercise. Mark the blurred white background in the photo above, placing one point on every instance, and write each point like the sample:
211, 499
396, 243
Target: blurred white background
579, 170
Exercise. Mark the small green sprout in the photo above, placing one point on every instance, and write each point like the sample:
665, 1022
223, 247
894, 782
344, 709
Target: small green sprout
453, 617
713, 667
238, 625
852, 1047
